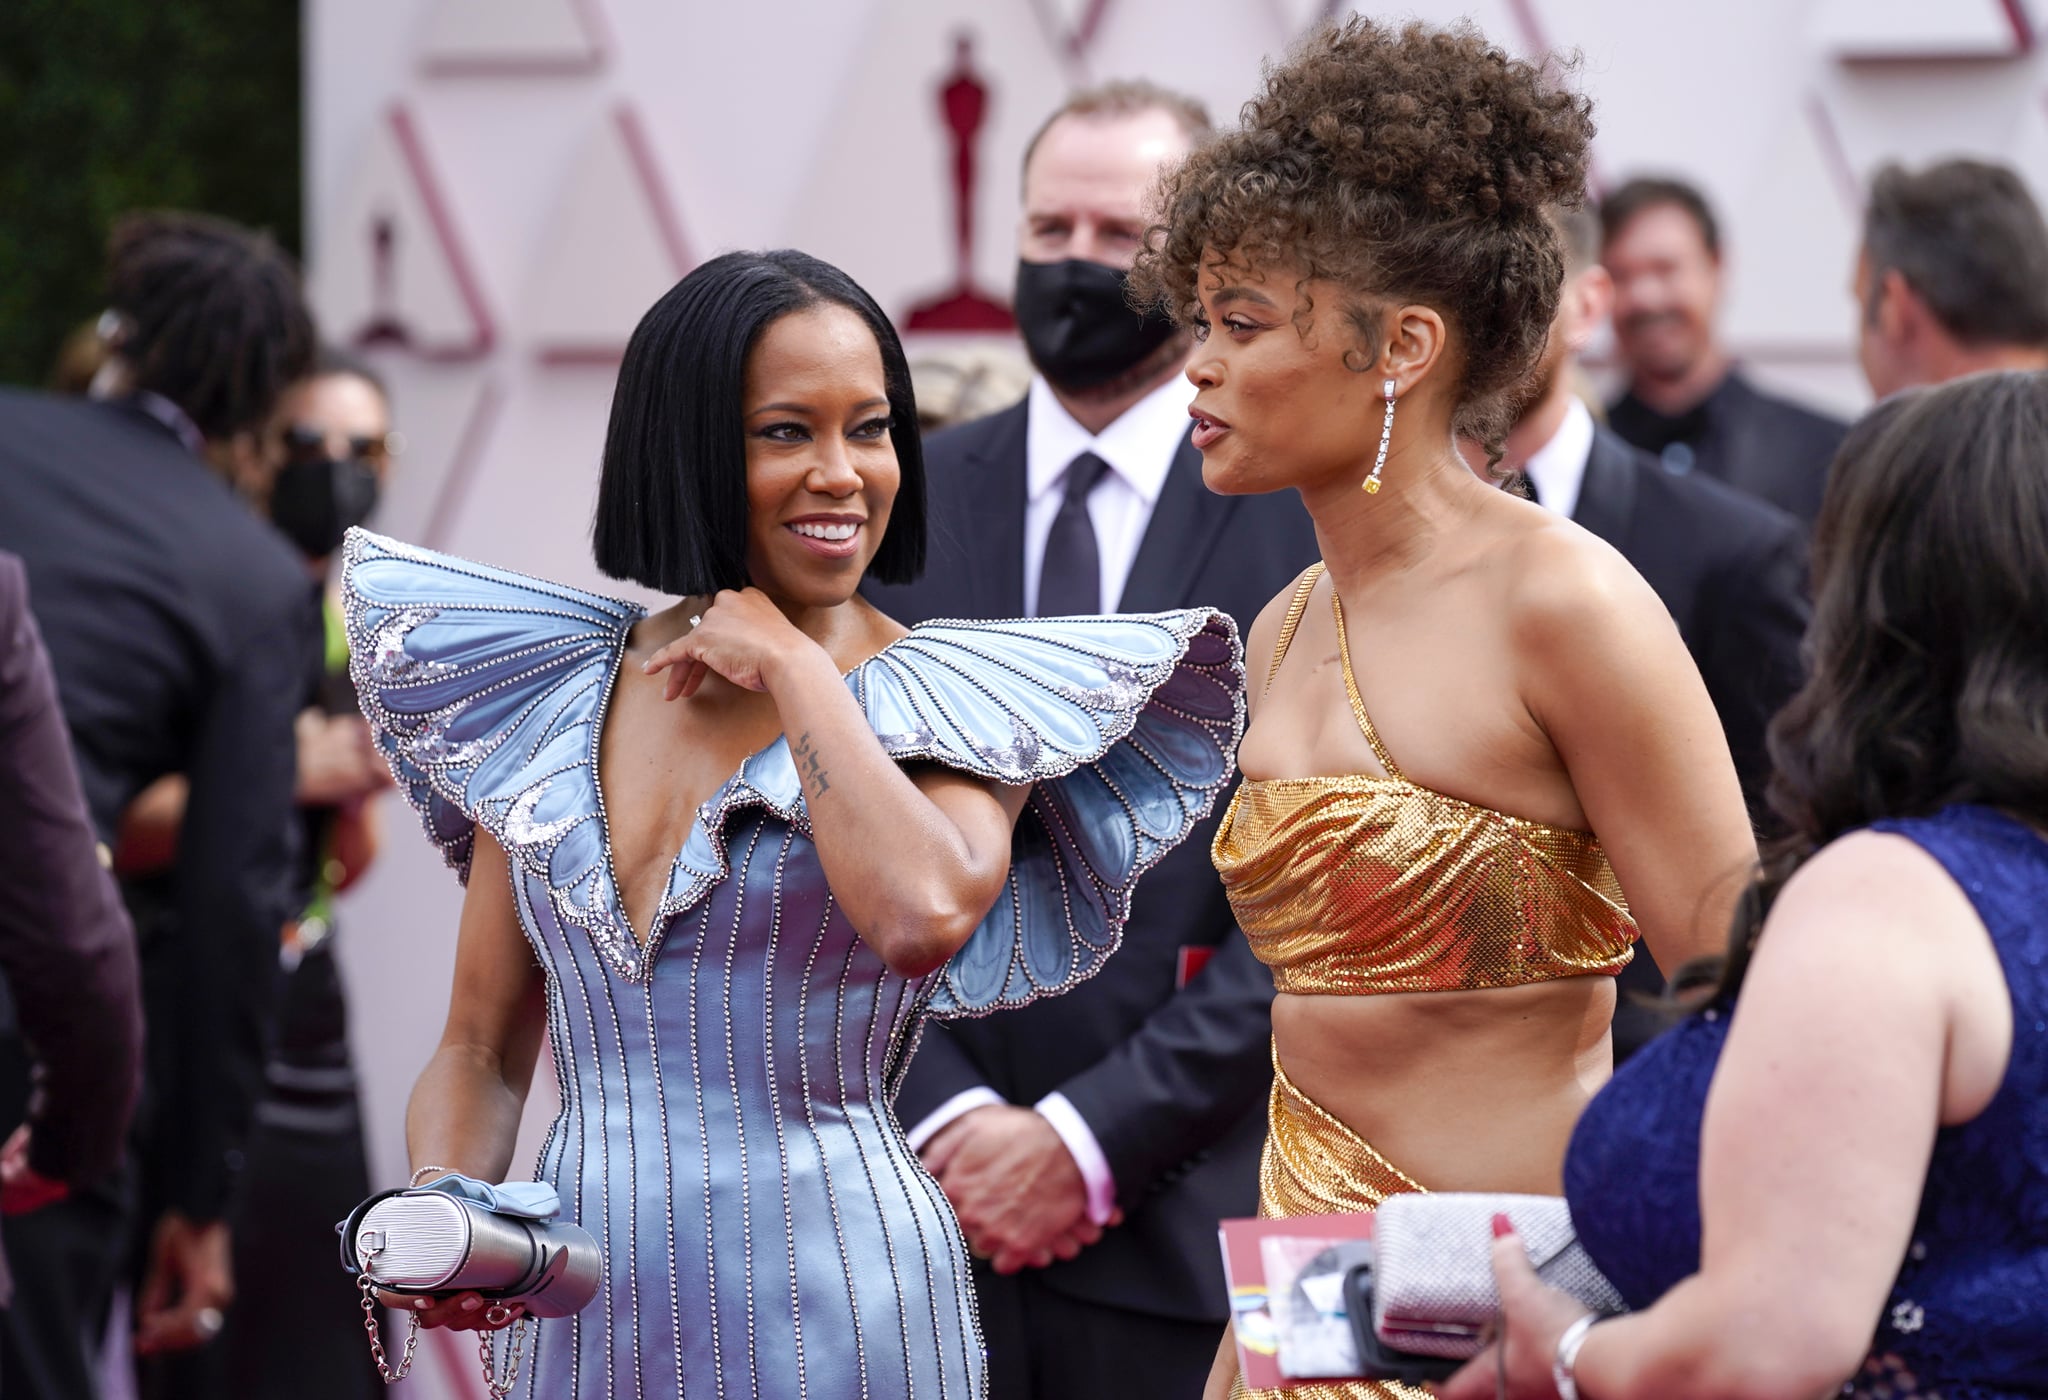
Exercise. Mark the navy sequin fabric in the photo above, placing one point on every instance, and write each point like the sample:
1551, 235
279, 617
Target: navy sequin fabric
1967, 1318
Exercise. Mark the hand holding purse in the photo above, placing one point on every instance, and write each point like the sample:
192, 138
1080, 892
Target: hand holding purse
460, 1235
1433, 1289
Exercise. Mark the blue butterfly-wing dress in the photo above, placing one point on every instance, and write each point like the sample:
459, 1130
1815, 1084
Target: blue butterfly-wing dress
726, 1130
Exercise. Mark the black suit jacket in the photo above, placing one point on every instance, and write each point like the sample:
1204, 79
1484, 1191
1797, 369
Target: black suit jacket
179, 626
1768, 447
1173, 1083
65, 944
1732, 570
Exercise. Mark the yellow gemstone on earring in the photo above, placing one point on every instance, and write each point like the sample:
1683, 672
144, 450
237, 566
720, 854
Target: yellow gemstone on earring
1372, 486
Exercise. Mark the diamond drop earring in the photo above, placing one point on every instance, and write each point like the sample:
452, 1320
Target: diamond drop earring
1372, 483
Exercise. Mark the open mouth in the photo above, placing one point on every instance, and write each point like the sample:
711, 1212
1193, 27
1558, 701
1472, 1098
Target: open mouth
1207, 429
833, 536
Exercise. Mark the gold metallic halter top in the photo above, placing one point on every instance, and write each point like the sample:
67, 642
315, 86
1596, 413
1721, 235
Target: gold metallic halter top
1358, 884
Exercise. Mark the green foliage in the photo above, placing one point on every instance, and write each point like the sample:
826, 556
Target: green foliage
112, 105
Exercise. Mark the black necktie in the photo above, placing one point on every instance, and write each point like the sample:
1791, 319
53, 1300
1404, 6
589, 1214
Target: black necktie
1070, 580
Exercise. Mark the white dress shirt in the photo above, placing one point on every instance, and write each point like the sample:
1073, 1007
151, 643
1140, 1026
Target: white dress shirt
1558, 468
1139, 447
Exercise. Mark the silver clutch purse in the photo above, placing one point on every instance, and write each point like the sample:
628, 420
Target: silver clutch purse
461, 1235
1433, 1286
427, 1241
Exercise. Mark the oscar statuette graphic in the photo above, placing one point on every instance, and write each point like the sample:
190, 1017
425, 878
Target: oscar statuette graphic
963, 105
384, 326
396, 276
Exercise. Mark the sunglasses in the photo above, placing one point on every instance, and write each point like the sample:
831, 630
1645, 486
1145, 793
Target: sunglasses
306, 444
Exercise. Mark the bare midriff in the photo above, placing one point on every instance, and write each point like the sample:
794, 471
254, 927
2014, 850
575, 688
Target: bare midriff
1461, 1090
1445, 976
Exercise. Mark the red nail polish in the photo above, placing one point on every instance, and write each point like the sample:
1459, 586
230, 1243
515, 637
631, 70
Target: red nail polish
1502, 1226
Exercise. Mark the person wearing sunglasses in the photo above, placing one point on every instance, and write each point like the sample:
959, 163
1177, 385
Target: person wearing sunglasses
330, 450
335, 445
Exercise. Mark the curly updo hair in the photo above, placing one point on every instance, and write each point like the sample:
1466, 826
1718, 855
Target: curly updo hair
1405, 165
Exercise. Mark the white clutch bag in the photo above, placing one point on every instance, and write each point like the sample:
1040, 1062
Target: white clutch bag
1433, 1286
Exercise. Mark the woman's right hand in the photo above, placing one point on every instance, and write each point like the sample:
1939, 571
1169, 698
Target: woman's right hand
742, 636
1535, 1316
461, 1312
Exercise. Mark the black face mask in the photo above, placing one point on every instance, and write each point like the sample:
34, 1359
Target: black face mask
1078, 326
315, 502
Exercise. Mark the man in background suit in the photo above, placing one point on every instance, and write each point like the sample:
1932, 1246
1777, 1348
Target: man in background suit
65, 944
1090, 1143
1953, 275
182, 630
1686, 401
1731, 569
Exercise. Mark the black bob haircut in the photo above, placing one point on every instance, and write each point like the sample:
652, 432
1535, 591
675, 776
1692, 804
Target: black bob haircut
672, 496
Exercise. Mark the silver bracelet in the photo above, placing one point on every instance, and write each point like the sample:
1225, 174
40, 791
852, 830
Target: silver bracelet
1564, 1366
424, 1171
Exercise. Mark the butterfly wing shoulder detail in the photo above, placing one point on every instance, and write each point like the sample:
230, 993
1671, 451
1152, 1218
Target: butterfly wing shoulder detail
1125, 726
484, 689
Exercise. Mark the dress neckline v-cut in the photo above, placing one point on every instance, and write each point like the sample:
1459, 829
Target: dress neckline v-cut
644, 945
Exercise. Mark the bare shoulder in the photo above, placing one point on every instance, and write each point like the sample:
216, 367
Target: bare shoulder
1872, 951
1559, 582
1878, 922
1878, 892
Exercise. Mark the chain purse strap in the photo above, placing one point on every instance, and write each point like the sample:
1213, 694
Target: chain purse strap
498, 1388
497, 1385
412, 1331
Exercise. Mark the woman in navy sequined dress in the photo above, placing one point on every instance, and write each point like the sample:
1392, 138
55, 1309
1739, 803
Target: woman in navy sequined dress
1838, 1183
731, 854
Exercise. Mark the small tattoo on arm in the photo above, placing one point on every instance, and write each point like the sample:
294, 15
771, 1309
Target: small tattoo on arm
808, 768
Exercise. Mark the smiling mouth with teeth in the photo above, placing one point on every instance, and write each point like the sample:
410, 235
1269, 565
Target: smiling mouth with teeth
845, 531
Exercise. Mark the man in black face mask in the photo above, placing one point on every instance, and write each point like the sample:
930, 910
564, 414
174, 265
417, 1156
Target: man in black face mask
1090, 1142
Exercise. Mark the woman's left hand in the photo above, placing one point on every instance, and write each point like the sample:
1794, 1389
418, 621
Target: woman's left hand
458, 1312
1535, 1316
740, 637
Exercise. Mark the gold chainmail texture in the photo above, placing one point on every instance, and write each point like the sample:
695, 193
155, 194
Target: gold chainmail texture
1314, 1165
1357, 884
1360, 884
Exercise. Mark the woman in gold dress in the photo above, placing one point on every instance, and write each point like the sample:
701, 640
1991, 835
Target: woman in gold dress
1446, 849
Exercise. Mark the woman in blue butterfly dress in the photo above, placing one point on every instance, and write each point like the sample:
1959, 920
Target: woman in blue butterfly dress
730, 855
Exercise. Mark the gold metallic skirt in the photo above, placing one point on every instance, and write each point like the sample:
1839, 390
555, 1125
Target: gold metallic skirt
1314, 1165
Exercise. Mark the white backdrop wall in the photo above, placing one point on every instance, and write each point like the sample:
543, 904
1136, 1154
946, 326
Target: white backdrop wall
503, 185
